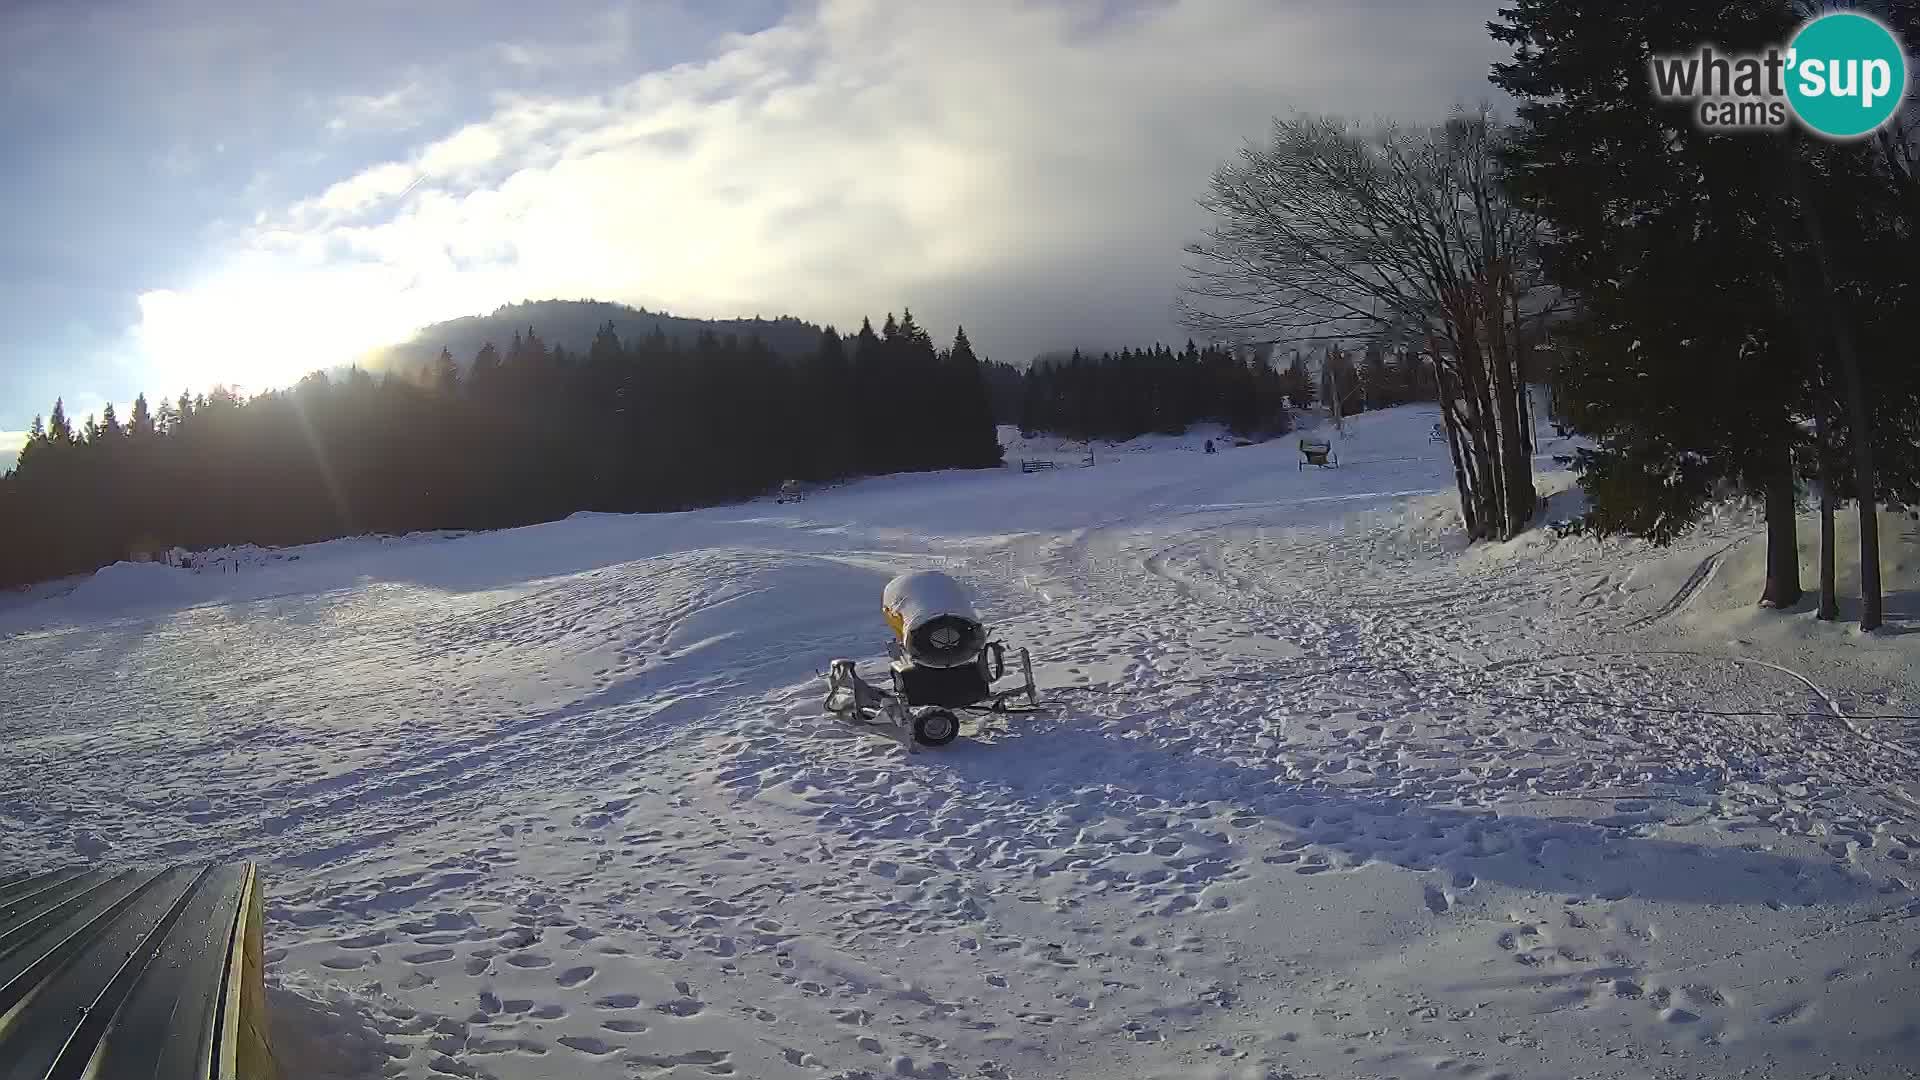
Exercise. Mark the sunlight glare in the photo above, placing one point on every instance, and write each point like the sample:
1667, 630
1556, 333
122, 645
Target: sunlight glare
261, 331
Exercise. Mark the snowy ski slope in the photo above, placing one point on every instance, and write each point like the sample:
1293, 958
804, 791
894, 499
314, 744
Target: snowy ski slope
1323, 793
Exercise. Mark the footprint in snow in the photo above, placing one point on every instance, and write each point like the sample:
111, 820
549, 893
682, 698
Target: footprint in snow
574, 976
715, 1061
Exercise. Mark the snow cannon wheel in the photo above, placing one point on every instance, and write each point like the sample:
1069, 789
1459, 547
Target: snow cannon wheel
935, 727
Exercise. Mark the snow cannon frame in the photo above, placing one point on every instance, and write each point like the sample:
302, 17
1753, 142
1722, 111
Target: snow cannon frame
941, 658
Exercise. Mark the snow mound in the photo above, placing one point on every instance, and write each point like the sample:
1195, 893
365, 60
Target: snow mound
131, 584
233, 558
1730, 582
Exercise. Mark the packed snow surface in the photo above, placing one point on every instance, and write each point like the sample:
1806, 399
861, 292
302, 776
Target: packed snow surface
1321, 790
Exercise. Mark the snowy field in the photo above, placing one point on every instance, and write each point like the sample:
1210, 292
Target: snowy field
1323, 794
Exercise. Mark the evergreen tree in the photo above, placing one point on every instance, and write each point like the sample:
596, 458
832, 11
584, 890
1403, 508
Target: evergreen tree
1377, 382
1300, 384
876, 413
36, 441
1681, 366
653, 426
972, 412
140, 422
1341, 382
829, 419
445, 376
485, 371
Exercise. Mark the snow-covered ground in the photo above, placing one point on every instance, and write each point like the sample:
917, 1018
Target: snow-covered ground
1322, 793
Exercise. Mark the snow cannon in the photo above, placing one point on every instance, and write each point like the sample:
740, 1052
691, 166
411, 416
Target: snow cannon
932, 619
940, 659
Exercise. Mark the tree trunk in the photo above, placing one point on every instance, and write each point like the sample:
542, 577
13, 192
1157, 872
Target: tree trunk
1525, 387
1829, 601
1800, 294
1783, 541
1859, 417
1516, 444
1469, 512
1476, 446
1871, 613
1479, 424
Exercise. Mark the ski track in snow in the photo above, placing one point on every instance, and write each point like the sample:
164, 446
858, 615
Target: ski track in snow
1322, 794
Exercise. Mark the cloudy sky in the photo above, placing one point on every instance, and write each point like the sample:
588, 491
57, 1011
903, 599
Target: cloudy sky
239, 191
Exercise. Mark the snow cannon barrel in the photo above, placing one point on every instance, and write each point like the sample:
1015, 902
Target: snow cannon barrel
933, 619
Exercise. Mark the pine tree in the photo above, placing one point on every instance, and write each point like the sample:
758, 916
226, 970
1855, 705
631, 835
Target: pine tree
59, 429
1376, 381
876, 413
1681, 366
829, 416
976, 442
1341, 383
1300, 388
140, 425
36, 442
445, 375
110, 424
485, 372
605, 349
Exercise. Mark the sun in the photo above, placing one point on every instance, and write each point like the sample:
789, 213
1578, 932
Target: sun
262, 331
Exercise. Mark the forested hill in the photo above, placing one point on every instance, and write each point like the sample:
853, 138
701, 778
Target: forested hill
573, 324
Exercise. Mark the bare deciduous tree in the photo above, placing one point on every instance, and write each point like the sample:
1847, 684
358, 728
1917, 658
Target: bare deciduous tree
1403, 235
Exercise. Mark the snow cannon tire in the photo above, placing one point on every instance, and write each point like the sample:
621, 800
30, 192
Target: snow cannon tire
936, 727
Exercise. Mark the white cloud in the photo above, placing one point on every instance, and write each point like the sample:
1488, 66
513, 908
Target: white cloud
403, 108
1027, 169
467, 151
357, 194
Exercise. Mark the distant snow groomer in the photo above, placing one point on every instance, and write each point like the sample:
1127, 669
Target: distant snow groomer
941, 660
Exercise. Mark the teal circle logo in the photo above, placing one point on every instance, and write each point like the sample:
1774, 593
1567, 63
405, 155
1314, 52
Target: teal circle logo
1848, 75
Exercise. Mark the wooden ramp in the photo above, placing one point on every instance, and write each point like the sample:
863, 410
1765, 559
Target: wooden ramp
153, 974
